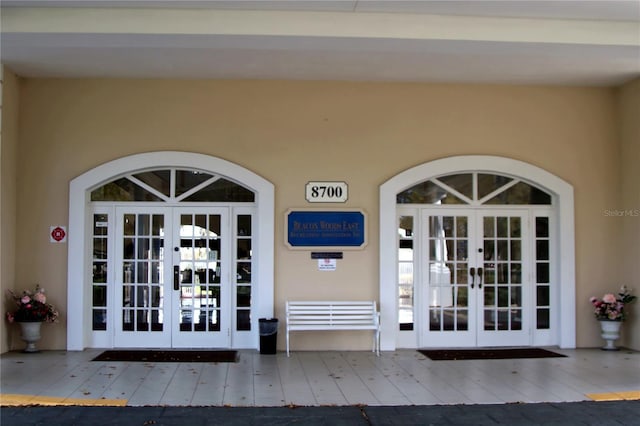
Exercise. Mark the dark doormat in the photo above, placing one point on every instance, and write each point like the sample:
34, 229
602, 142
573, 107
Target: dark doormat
168, 356
511, 353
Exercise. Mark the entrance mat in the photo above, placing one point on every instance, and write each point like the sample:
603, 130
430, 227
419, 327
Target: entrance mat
511, 353
168, 356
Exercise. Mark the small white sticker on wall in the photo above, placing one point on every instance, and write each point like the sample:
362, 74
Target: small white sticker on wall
327, 264
58, 234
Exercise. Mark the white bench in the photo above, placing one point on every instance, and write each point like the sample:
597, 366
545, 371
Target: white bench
327, 315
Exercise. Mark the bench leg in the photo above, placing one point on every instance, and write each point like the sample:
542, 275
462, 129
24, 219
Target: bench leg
287, 342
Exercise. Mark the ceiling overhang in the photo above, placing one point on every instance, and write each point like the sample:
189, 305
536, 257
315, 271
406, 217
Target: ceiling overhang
154, 42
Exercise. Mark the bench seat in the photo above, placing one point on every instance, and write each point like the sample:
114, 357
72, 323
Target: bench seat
333, 315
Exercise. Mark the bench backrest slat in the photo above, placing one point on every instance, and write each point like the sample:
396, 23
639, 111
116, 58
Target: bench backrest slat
330, 313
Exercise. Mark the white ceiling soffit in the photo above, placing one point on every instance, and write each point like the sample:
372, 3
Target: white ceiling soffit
593, 43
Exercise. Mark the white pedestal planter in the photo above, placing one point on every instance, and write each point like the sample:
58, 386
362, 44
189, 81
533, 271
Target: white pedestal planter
610, 333
30, 333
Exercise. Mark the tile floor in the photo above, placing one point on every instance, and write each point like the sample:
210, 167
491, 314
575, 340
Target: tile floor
403, 377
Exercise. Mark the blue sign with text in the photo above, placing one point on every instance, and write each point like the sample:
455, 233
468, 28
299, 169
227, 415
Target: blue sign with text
325, 229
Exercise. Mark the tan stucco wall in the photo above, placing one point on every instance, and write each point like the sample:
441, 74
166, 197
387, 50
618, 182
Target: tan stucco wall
8, 174
293, 132
629, 115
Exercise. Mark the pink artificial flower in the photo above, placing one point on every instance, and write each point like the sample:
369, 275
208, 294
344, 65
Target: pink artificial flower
40, 297
609, 298
25, 299
593, 300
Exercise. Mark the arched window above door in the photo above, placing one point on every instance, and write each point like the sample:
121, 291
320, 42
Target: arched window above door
173, 185
474, 189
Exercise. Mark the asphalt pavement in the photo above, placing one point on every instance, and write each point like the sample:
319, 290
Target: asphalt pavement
566, 413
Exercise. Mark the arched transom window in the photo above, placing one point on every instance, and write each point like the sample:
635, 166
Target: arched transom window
474, 189
173, 185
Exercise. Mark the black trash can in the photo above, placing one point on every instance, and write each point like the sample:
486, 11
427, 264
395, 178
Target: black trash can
268, 335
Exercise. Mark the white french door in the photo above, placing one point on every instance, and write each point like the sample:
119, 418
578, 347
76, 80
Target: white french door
476, 285
172, 277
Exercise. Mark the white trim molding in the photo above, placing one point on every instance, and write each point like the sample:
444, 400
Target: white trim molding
563, 201
78, 272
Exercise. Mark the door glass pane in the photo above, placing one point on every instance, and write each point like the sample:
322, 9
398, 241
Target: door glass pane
243, 249
489, 227
223, 190
514, 227
516, 250
144, 225
427, 193
542, 250
243, 272
516, 273
244, 225
160, 180
516, 296
461, 227
503, 320
502, 227
463, 183
503, 273
129, 224
123, 189
503, 296
543, 318
243, 281
488, 183
521, 193
543, 276
99, 282
462, 323
542, 272
542, 227
503, 250
489, 249
243, 320
188, 179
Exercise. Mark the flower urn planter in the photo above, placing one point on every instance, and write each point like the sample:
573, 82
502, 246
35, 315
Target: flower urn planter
30, 333
610, 333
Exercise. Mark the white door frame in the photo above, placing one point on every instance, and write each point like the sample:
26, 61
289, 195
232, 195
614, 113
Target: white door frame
563, 202
79, 259
210, 339
474, 335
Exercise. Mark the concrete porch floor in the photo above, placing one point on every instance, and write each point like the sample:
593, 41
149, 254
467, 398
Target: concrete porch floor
399, 378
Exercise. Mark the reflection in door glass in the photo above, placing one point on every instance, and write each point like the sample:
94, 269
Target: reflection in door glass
405, 272
502, 273
200, 251
543, 274
99, 271
142, 279
243, 281
448, 273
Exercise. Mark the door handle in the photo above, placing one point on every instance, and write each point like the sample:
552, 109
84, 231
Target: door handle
480, 276
472, 271
176, 277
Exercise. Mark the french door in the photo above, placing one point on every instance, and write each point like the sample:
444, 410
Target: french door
476, 284
172, 277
